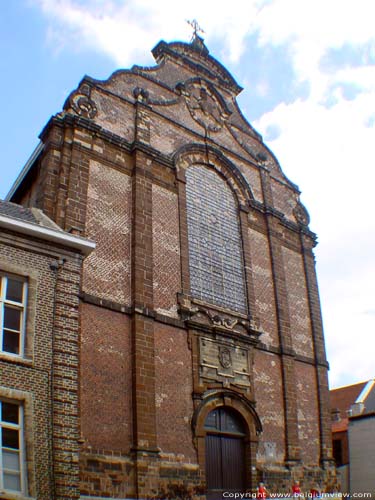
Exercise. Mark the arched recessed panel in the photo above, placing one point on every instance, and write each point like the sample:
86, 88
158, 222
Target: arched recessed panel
215, 248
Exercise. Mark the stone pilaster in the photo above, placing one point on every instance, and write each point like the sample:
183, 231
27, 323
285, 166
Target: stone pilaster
145, 450
321, 364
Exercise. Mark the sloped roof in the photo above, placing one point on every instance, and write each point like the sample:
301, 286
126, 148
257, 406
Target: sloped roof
31, 215
34, 223
17, 211
198, 54
343, 397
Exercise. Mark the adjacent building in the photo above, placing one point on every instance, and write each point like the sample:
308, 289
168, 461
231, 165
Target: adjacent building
362, 453
40, 273
202, 365
353, 438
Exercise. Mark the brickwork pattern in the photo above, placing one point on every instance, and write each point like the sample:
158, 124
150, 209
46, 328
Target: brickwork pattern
133, 342
143, 343
33, 380
263, 286
107, 271
284, 199
252, 176
51, 413
165, 136
173, 392
308, 414
65, 380
118, 116
167, 73
298, 303
283, 323
105, 363
268, 394
123, 83
166, 250
319, 351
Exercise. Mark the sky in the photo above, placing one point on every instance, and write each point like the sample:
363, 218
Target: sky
308, 72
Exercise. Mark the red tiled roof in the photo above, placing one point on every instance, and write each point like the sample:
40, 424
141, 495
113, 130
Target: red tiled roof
343, 397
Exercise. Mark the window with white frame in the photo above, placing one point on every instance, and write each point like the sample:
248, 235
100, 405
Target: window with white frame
13, 296
12, 477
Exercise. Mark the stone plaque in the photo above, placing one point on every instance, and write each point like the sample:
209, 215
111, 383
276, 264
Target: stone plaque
224, 362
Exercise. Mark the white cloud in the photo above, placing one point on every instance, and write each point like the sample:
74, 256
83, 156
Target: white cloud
127, 30
262, 88
329, 152
312, 27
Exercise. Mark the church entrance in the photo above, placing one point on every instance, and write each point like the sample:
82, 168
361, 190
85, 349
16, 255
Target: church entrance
225, 452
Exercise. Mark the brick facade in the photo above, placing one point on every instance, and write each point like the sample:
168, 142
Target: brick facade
154, 359
44, 380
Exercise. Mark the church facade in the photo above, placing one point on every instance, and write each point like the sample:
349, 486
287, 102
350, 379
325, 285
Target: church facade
202, 361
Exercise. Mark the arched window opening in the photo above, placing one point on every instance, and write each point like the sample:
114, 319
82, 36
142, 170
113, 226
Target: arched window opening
225, 420
215, 248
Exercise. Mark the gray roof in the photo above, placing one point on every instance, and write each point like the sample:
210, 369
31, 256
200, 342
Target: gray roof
17, 211
30, 215
34, 223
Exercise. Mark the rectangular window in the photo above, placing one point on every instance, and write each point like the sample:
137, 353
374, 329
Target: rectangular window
11, 459
13, 291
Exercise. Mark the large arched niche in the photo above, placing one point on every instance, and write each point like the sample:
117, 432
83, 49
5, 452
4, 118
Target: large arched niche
225, 398
216, 259
190, 156
198, 154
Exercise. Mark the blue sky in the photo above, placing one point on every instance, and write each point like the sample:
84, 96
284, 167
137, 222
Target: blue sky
308, 70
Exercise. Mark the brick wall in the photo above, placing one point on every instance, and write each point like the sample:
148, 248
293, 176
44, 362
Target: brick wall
107, 271
117, 175
45, 381
308, 415
269, 395
173, 393
166, 250
264, 288
284, 199
106, 392
300, 322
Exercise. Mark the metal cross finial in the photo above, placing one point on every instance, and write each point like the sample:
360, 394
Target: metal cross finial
197, 29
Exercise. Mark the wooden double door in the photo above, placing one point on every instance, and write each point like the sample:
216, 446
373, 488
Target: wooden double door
225, 453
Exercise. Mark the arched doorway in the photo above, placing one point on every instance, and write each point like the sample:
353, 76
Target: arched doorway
225, 452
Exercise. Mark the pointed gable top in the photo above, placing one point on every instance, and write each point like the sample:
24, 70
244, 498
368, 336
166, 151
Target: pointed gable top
196, 55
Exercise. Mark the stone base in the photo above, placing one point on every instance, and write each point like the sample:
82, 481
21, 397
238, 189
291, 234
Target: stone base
107, 476
161, 476
280, 479
142, 475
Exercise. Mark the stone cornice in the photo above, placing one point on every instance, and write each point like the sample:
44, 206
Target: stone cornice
68, 119
178, 323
